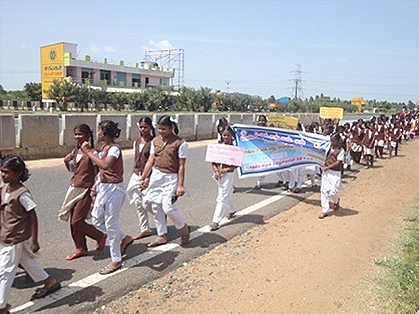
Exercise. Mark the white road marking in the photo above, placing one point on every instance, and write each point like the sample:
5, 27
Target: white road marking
91, 280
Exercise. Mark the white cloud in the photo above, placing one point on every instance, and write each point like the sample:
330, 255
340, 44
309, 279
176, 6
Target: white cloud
20, 48
94, 48
342, 60
158, 45
109, 48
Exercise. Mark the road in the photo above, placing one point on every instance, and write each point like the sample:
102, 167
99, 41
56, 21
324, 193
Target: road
83, 289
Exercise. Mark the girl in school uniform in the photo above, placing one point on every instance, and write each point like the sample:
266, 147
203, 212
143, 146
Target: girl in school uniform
263, 121
368, 142
19, 232
331, 175
141, 149
394, 138
77, 202
110, 192
166, 163
356, 141
224, 175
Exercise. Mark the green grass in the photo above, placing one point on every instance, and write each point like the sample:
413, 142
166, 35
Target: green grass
397, 280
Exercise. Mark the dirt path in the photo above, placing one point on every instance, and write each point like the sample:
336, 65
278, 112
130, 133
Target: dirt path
295, 263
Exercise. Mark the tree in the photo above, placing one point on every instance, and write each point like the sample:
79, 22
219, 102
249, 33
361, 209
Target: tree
33, 90
62, 91
100, 98
81, 96
2, 91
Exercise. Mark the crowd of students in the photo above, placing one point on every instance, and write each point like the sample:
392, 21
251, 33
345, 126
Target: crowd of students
97, 190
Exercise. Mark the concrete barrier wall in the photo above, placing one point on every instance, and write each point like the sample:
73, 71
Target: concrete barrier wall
7, 132
186, 125
39, 136
70, 121
204, 126
248, 118
43, 136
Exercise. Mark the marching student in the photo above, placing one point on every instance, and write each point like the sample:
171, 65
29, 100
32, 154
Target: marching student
368, 142
110, 192
356, 141
78, 201
395, 135
224, 175
380, 136
331, 175
166, 164
19, 233
261, 121
141, 149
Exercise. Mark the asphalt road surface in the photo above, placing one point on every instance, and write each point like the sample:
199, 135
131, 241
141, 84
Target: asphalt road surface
83, 288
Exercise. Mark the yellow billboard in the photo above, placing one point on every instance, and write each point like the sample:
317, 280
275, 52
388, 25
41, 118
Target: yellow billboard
52, 66
331, 113
280, 121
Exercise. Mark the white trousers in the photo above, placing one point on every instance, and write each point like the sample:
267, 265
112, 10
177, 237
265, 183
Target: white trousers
159, 194
331, 184
225, 197
10, 258
304, 173
166, 209
290, 176
105, 216
135, 195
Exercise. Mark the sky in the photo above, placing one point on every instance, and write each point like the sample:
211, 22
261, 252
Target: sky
342, 49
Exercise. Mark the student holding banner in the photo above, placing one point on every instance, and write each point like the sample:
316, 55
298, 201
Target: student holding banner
331, 175
224, 175
263, 121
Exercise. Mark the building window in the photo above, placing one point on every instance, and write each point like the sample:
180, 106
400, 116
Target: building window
87, 75
105, 75
136, 80
147, 81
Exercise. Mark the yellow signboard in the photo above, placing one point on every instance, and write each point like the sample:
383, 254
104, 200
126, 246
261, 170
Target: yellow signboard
331, 113
285, 122
52, 66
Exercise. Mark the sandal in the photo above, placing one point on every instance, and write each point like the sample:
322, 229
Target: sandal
214, 226
142, 234
76, 254
161, 239
337, 206
322, 215
125, 245
101, 244
43, 292
231, 215
7, 308
109, 270
184, 234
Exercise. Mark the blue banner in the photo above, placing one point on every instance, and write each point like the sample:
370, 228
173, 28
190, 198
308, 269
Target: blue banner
268, 150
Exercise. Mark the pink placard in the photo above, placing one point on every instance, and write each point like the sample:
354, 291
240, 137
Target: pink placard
224, 154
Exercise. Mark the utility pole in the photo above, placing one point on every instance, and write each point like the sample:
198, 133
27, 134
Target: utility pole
297, 83
228, 82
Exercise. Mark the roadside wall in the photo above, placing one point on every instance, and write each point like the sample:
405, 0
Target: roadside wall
35, 136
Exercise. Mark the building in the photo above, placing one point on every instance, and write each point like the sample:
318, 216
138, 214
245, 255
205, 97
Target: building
58, 61
359, 102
